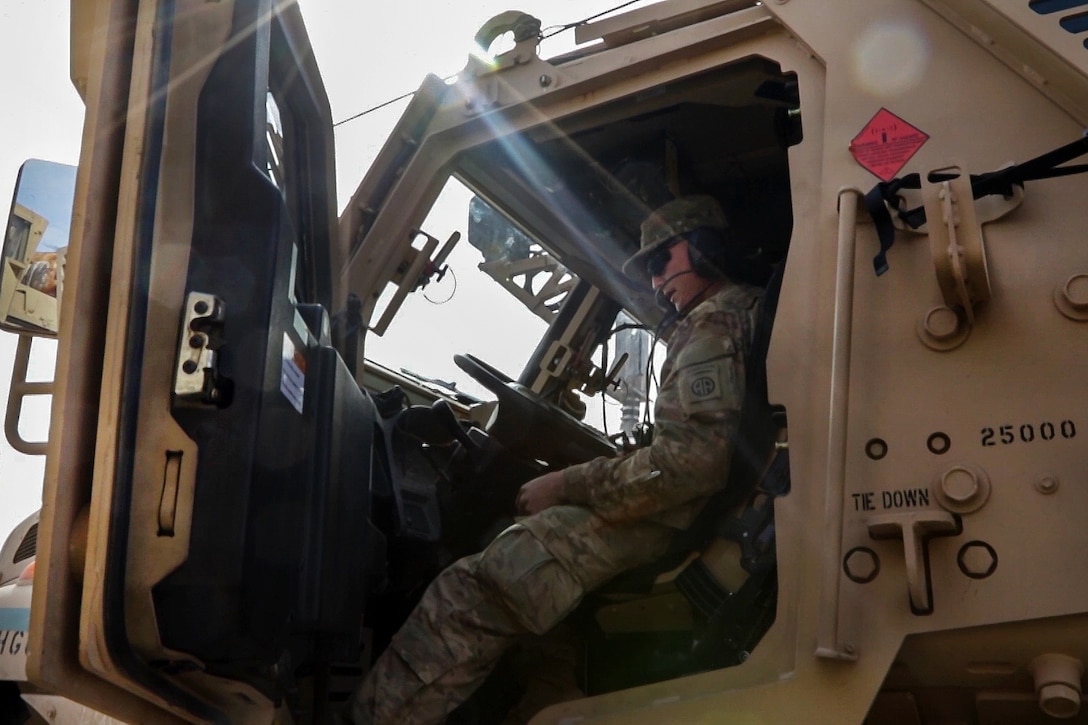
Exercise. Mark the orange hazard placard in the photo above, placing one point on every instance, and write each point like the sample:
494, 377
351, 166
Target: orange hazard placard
886, 144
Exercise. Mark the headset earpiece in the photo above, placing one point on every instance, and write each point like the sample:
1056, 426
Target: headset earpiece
708, 250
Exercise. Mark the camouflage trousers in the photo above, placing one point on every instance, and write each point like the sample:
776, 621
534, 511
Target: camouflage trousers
525, 582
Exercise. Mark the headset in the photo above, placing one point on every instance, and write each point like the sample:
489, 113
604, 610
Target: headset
715, 254
712, 253
709, 254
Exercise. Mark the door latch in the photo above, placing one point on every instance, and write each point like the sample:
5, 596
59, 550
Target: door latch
197, 380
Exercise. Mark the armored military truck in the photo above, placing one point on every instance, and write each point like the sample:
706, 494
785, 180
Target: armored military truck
243, 500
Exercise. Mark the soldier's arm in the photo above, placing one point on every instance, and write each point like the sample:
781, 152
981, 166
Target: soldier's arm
689, 457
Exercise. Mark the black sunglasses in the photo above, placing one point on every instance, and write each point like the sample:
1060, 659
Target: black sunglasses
657, 260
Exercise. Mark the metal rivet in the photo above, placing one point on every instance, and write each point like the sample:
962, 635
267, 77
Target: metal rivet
545, 81
1046, 485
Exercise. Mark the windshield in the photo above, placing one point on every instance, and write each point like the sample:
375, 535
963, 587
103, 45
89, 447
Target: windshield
493, 293
460, 309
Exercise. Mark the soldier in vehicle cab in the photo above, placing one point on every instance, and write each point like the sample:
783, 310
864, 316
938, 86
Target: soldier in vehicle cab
589, 522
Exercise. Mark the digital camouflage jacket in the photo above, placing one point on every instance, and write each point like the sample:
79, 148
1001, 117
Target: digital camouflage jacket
698, 406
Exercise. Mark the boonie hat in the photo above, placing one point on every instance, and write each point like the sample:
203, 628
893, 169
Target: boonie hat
669, 221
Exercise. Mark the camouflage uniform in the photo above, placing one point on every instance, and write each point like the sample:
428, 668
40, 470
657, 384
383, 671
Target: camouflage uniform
624, 512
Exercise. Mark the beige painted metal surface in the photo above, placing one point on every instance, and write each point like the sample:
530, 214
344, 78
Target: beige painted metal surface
55, 610
1000, 399
107, 190
930, 551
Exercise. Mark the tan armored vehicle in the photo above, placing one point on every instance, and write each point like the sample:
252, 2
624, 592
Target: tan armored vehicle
249, 483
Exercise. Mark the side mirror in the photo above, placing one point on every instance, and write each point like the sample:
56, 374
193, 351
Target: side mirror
32, 265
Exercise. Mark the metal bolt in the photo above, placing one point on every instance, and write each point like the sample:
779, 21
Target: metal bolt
962, 489
960, 484
942, 323
1075, 292
545, 81
198, 340
977, 559
861, 565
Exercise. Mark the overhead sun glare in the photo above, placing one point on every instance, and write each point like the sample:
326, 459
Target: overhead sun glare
889, 58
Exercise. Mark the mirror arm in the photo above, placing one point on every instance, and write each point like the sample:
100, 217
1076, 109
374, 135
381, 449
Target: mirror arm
19, 390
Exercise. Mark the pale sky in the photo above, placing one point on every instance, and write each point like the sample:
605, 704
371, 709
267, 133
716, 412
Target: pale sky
368, 53
42, 118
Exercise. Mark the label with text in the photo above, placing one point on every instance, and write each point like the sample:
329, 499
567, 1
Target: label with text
885, 500
886, 144
1019, 433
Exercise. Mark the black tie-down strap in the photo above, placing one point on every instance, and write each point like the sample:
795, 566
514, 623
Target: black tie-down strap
886, 193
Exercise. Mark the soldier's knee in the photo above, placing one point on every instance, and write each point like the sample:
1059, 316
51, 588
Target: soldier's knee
537, 589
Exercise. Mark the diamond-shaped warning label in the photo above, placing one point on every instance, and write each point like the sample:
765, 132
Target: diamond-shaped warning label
886, 144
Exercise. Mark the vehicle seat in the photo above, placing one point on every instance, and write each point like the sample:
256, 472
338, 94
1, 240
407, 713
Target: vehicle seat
709, 600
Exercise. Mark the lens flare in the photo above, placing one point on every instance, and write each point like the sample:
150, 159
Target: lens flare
890, 58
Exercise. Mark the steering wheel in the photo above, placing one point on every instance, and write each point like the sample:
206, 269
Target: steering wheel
529, 425
491, 378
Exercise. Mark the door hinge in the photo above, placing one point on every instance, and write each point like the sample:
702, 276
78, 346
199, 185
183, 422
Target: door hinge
196, 374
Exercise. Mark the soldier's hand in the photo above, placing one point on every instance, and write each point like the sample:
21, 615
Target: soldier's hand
542, 492
628, 442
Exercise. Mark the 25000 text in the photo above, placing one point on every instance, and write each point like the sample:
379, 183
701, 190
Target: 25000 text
1028, 433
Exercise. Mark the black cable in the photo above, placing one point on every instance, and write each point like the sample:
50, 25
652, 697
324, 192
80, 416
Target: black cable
561, 28
583, 21
375, 108
651, 374
449, 271
604, 387
668, 319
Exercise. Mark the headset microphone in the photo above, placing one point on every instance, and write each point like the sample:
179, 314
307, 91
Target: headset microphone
659, 294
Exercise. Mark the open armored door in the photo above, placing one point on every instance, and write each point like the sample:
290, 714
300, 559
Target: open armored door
204, 531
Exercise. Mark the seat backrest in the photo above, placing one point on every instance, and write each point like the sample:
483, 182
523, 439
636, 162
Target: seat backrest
754, 439
753, 443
